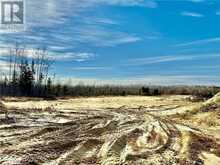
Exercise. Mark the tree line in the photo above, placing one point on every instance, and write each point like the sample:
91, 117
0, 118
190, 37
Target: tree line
29, 74
201, 92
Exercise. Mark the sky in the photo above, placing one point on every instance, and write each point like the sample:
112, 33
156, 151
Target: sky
152, 42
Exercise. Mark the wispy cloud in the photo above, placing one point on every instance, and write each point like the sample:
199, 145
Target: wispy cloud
159, 59
54, 11
163, 59
4, 66
199, 42
218, 12
90, 30
103, 21
192, 14
91, 68
143, 3
196, 1
64, 56
3, 52
73, 56
102, 37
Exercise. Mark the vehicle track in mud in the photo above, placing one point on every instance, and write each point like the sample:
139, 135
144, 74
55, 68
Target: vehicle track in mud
106, 137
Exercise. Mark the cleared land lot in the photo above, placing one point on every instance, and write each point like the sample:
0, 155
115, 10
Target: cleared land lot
111, 130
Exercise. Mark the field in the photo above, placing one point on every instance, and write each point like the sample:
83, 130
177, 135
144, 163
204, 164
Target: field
130, 130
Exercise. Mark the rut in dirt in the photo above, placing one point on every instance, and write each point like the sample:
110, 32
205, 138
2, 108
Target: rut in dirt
106, 137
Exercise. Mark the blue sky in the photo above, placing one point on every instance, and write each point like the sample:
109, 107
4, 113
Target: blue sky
157, 42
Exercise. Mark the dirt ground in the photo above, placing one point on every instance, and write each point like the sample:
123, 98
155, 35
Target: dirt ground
132, 130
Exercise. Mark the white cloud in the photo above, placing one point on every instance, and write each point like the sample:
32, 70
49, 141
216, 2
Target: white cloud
73, 56
163, 59
196, 1
103, 21
3, 52
91, 68
144, 3
102, 37
92, 30
49, 12
158, 59
4, 67
199, 42
32, 53
192, 14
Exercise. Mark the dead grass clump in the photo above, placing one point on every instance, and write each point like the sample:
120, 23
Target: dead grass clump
185, 116
50, 109
209, 107
201, 143
29, 162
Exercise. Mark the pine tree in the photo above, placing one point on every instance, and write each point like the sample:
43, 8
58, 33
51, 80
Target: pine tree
26, 78
49, 85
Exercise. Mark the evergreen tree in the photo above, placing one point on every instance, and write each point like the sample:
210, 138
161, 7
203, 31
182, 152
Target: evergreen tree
26, 79
49, 86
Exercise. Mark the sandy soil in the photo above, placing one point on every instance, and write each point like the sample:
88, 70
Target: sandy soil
110, 131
